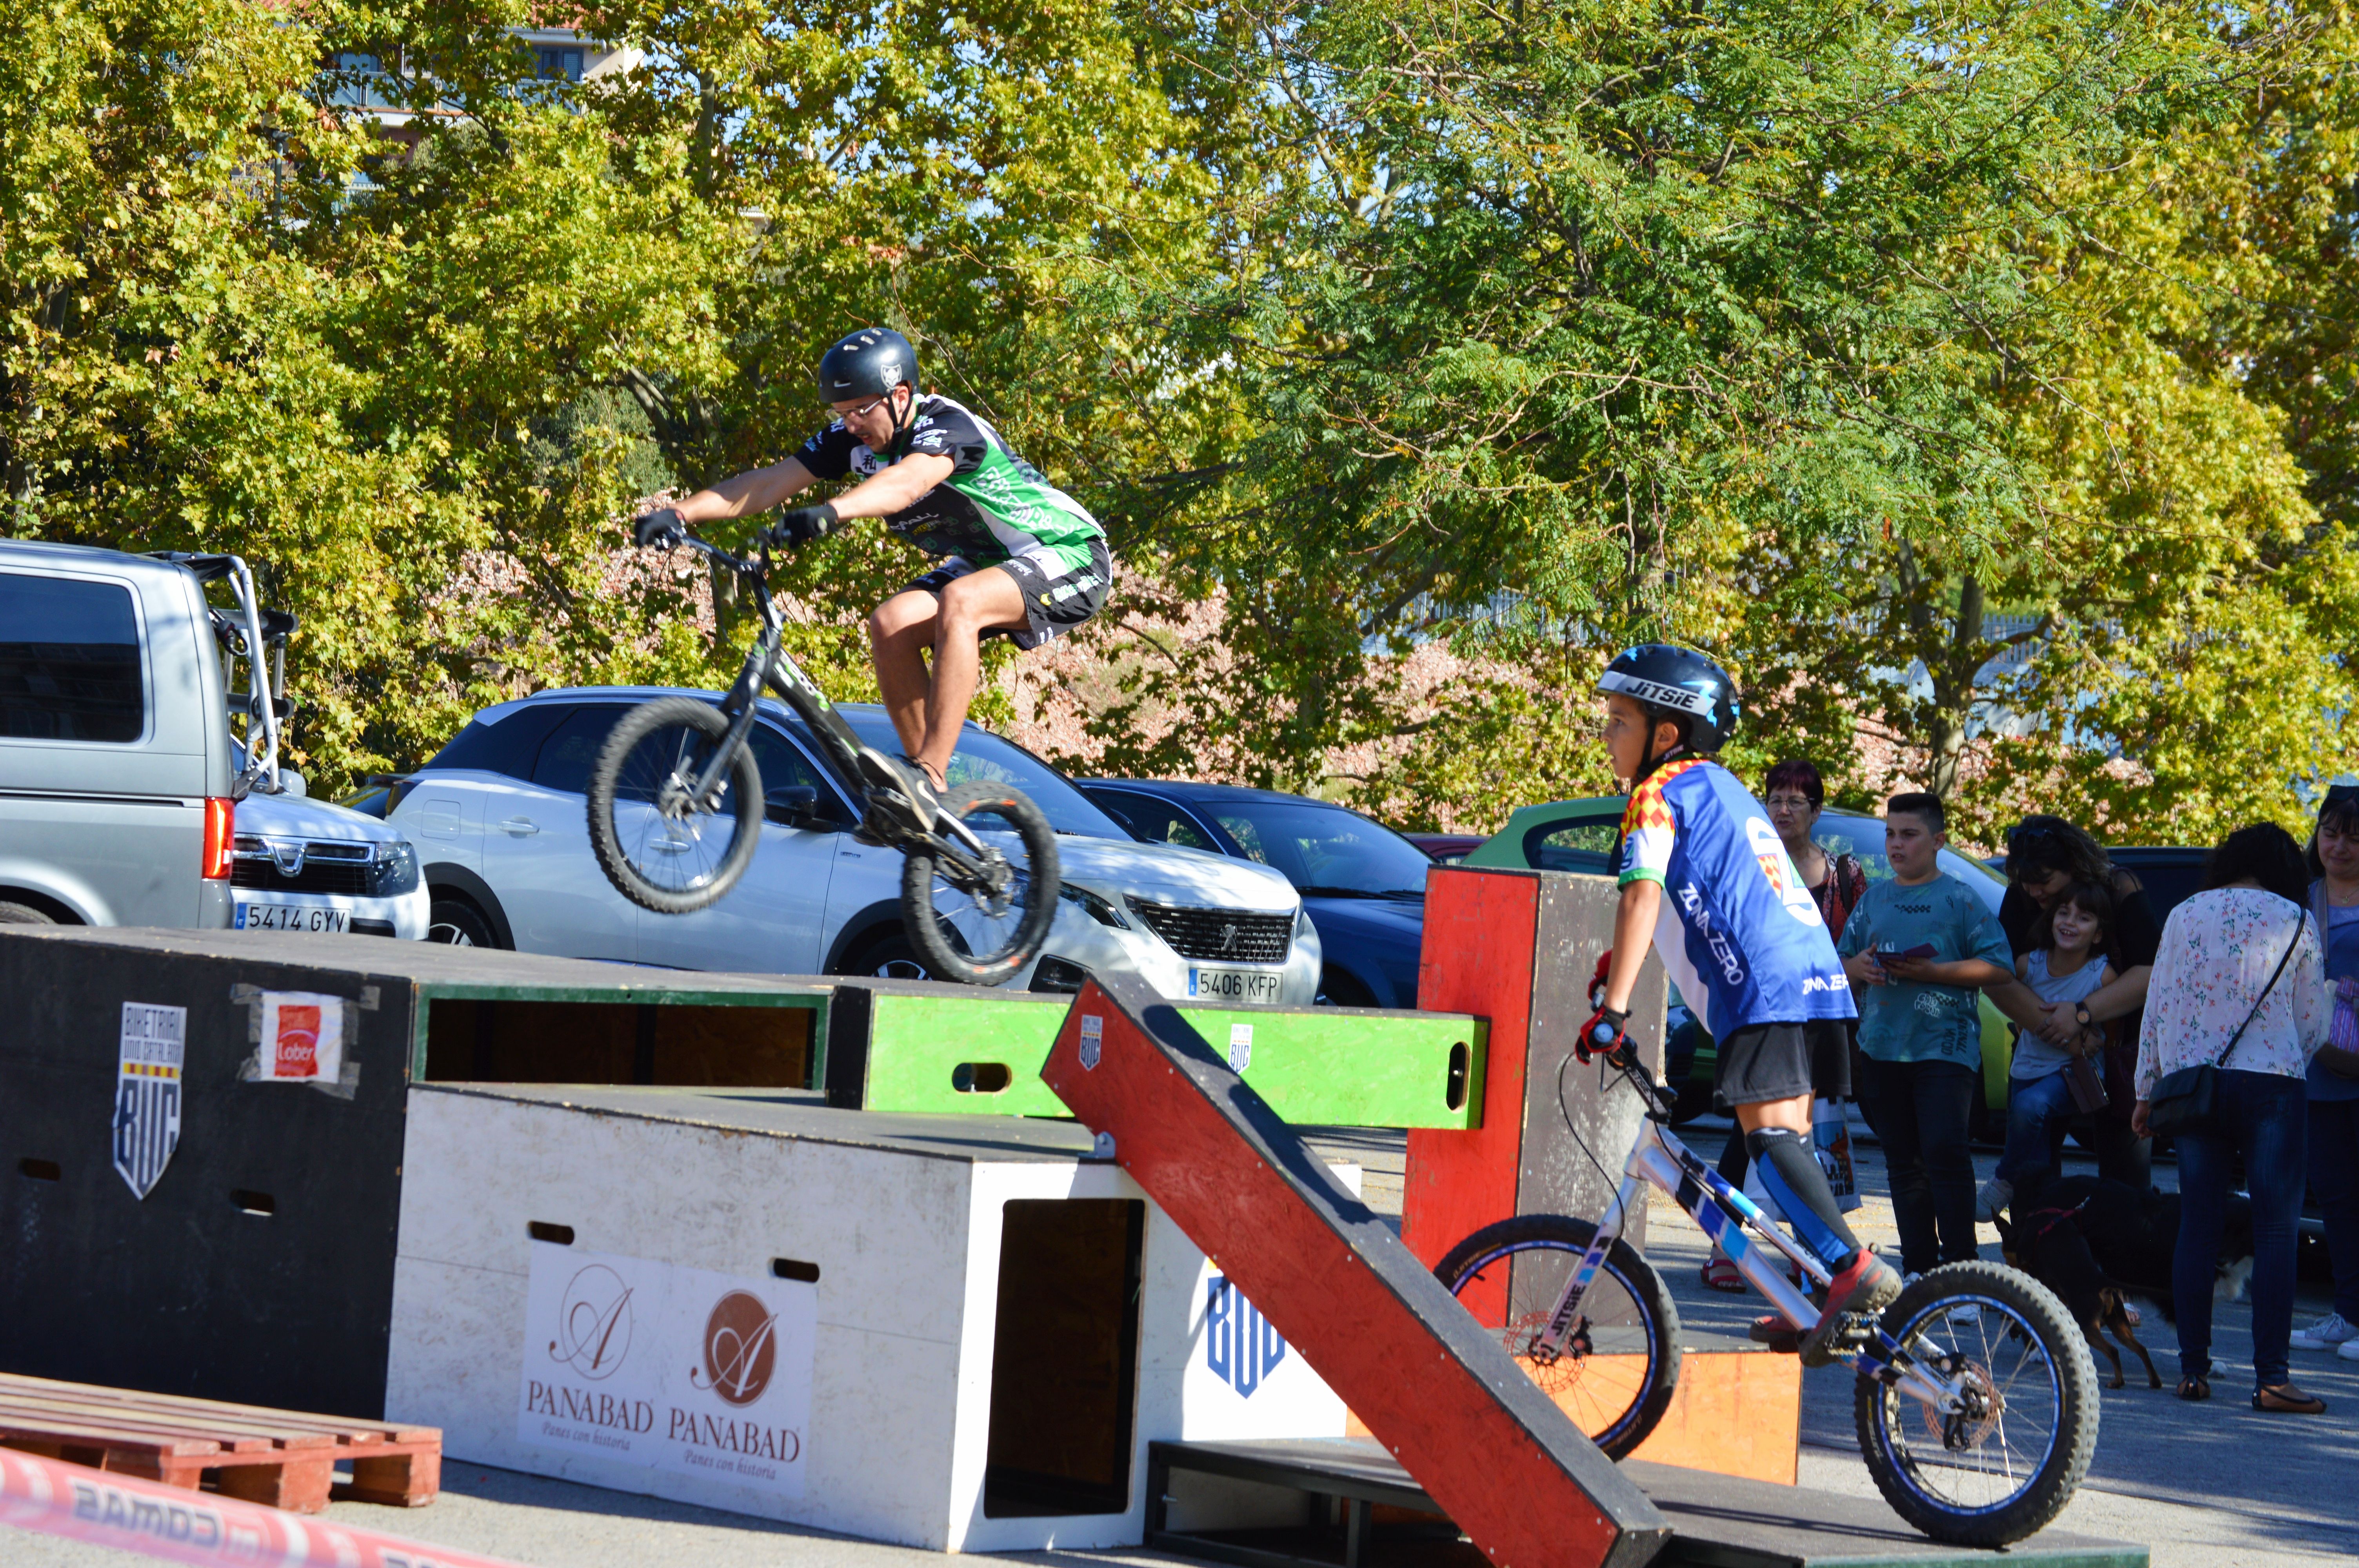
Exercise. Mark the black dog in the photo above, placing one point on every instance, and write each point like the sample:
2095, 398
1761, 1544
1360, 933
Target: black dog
2048, 1246
2132, 1235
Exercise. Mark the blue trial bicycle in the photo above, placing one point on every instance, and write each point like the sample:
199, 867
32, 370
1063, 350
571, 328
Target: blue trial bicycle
1976, 1397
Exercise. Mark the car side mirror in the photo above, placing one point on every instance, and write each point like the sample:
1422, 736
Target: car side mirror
798, 805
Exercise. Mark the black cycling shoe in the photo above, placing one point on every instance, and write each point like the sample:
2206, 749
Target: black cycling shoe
899, 789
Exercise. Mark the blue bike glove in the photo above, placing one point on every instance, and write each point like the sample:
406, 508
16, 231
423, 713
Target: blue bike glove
661, 528
801, 524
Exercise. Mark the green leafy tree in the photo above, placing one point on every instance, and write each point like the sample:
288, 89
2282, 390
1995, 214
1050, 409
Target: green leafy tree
1597, 305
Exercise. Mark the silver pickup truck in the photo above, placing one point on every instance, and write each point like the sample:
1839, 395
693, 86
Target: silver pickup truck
125, 797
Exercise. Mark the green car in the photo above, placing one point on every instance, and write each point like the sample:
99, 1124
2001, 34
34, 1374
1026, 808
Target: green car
1586, 836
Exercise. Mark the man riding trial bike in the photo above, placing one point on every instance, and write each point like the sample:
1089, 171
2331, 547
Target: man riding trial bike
1018, 557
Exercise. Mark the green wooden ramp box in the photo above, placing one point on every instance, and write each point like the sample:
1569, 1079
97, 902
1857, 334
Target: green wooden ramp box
909, 1047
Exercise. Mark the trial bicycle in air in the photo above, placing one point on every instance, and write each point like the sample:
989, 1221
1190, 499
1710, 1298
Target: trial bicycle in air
676, 806
1977, 1398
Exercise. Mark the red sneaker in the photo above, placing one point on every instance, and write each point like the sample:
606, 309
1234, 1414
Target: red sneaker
1868, 1286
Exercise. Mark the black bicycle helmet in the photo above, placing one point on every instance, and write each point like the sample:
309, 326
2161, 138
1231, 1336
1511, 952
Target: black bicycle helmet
868, 364
1681, 685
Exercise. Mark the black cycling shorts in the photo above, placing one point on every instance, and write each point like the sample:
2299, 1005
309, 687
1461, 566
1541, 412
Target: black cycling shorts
1053, 605
1778, 1061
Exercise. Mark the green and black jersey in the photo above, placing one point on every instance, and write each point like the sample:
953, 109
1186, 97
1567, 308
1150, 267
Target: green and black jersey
993, 508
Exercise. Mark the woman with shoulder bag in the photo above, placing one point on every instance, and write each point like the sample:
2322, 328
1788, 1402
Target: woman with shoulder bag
2235, 1010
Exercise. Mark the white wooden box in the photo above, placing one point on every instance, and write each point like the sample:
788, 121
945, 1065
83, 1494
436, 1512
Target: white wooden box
685, 1215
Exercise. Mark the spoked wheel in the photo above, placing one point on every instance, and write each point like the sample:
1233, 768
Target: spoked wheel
2005, 1464
1616, 1373
984, 928
662, 849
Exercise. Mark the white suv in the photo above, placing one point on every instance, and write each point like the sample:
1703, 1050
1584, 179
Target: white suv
499, 822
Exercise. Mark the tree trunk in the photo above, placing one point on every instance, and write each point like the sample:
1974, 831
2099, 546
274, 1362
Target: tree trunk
1952, 671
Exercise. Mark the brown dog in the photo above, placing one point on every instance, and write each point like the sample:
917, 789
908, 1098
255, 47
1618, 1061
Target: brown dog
2048, 1246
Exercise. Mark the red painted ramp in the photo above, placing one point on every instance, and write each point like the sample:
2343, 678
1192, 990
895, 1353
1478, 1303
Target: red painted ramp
1491, 1450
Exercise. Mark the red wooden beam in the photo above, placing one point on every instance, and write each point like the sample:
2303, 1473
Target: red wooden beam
1493, 1451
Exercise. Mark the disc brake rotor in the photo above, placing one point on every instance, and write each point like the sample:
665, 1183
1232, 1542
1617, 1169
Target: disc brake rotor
1980, 1406
992, 884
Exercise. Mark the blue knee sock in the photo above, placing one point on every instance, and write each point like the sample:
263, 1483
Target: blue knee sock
1791, 1172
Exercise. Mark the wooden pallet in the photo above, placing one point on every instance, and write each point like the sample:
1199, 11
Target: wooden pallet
282, 1458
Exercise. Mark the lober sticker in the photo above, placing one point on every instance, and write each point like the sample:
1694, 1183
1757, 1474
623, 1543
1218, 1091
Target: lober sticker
302, 1037
1240, 1047
154, 1049
1092, 1040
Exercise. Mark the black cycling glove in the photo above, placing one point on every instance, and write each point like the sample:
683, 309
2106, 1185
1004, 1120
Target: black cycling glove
801, 524
661, 528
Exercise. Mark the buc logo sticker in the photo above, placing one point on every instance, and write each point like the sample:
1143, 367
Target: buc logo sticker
147, 1092
1241, 1348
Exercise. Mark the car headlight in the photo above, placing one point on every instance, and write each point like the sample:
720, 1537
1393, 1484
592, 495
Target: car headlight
1097, 908
395, 870
1301, 921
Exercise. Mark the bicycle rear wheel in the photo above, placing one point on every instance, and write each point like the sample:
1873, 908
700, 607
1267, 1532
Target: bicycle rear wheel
659, 848
983, 932
2005, 1467
1621, 1363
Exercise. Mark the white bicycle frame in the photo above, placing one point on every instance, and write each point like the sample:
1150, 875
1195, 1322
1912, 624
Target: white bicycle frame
1737, 1224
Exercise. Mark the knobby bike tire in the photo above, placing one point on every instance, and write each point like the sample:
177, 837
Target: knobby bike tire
936, 941
1621, 1422
744, 805
2024, 1307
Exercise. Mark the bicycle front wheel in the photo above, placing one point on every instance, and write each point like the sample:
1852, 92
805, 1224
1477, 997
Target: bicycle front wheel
984, 929
2005, 1466
662, 849
1620, 1364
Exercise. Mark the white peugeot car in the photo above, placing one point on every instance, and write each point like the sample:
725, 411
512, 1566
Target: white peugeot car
498, 819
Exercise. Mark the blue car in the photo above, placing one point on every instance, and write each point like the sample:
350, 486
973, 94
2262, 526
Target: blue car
1362, 884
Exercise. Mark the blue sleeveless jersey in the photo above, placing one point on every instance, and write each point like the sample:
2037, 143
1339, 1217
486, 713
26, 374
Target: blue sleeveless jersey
1739, 933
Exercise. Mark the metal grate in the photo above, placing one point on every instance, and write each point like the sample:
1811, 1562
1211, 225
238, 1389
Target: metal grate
353, 870
346, 877
1218, 934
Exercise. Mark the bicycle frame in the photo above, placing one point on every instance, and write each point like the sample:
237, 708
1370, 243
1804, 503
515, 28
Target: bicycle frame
768, 663
1735, 1223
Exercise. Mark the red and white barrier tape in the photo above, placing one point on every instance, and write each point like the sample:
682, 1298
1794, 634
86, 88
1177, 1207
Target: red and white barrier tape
147, 1517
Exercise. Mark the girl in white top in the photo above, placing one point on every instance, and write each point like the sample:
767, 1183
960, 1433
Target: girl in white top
2067, 965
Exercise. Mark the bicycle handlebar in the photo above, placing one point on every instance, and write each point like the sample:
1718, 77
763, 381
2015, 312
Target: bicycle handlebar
706, 547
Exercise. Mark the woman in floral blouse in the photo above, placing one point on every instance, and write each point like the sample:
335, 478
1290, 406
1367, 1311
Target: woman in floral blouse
2219, 950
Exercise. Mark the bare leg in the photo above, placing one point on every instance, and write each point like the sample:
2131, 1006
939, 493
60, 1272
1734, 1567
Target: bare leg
975, 603
1793, 1115
899, 632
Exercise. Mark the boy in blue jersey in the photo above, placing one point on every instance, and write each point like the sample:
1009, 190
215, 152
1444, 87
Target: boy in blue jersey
1707, 883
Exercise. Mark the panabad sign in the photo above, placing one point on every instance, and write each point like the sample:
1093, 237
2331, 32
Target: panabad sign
667, 1368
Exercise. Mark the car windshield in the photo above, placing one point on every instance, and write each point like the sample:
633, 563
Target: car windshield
1592, 840
983, 755
1841, 833
1324, 851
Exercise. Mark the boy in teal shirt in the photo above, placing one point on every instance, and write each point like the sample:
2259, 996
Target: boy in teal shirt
1918, 949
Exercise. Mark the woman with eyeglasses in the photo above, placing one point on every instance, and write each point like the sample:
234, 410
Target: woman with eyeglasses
2333, 1077
2046, 858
